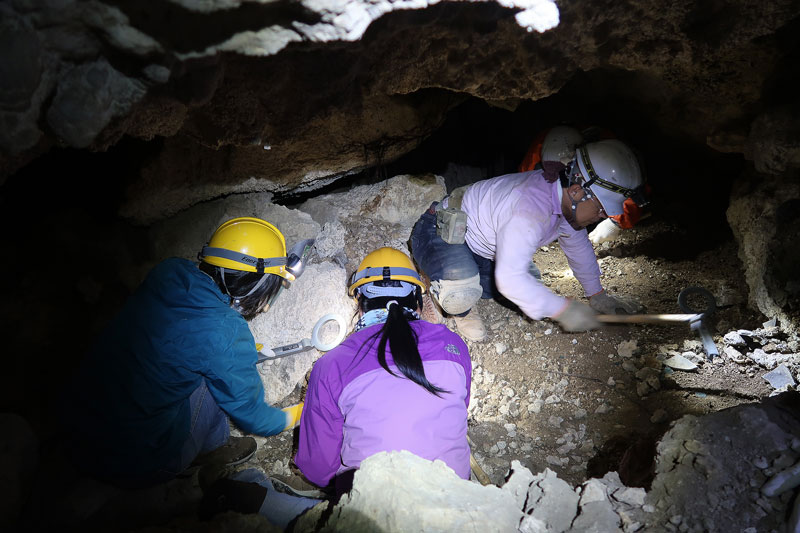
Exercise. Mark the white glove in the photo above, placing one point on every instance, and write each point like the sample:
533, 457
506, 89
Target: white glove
577, 317
608, 305
607, 230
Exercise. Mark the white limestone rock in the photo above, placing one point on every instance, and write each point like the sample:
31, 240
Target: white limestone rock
780, 377
679, 362
320, 291
552, 501
627, 349
519, 480
185, 234
398, 200
400, 492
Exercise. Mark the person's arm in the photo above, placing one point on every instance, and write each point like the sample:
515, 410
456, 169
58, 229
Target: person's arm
319, 448
467, 364
235, 383
517, 240
581, 258
461, 353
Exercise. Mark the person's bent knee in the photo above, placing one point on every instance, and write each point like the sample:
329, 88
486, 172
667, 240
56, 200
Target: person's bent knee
456, 296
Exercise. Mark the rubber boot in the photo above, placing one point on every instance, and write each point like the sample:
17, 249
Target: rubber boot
471, 326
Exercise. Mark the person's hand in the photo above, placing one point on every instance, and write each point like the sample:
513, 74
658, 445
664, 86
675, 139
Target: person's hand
609, 305
577, 317
293, 414
606, 230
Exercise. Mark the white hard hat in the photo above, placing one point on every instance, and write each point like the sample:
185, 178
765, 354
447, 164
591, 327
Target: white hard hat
559, 144
611, 171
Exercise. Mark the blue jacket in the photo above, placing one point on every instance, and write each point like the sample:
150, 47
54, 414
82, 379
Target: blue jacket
128, 406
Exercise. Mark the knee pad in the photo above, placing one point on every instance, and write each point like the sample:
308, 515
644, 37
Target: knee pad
456, 296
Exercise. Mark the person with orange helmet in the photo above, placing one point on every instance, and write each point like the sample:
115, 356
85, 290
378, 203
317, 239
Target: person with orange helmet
553, 148
158, 388
479, 241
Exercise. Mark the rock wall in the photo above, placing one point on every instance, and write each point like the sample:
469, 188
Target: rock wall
763, 215
284, 96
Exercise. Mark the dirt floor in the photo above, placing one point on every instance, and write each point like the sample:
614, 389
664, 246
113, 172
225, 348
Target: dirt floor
588, 403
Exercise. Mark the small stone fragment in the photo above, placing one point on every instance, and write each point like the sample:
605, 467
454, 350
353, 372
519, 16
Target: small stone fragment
604, 408
780, 377
630, 495
536, 406
627, 349
733, 338
679, 362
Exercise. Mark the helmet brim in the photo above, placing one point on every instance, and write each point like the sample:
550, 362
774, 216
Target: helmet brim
611, 201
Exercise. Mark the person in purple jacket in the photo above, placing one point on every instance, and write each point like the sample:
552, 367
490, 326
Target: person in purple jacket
396, 383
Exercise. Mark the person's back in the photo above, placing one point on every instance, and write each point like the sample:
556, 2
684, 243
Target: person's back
131, 397
397, 383
382, 412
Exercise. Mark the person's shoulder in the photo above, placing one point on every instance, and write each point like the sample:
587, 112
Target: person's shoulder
175, 271
174, 264
444, 337
342, 354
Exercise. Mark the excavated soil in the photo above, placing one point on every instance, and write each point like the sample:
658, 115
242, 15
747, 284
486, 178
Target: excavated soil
583, 404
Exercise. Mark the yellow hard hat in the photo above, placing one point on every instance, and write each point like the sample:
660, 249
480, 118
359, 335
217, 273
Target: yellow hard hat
248, 244
385, 264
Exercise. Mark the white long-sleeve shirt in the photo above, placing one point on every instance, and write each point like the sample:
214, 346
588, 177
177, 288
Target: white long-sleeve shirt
508, 219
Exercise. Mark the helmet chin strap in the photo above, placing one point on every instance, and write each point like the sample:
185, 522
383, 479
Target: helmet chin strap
236, 300
587, 195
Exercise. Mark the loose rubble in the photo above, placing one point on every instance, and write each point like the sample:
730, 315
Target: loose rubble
708, 479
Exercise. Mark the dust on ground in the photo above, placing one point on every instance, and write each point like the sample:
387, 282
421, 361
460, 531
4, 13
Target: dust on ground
583, 404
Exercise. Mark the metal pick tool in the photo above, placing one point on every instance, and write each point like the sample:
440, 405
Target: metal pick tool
699, 324
306, 344
695, 319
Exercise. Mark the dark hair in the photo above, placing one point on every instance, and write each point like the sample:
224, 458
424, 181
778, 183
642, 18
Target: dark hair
401, 337
238, 283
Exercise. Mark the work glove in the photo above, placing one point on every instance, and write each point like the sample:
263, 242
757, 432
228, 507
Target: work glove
607, 230
293, 414
577, 317
608, 305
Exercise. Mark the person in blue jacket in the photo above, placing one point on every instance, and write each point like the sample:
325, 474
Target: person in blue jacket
155, 392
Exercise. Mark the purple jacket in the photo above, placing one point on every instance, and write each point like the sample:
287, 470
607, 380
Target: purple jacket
354, 408
508, 219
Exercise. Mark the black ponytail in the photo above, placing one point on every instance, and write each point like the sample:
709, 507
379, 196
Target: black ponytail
401, 337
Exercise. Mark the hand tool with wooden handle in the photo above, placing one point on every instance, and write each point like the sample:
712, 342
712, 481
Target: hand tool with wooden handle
695, 320
649, 319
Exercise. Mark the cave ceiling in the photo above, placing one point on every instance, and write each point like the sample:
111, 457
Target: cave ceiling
241, 96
